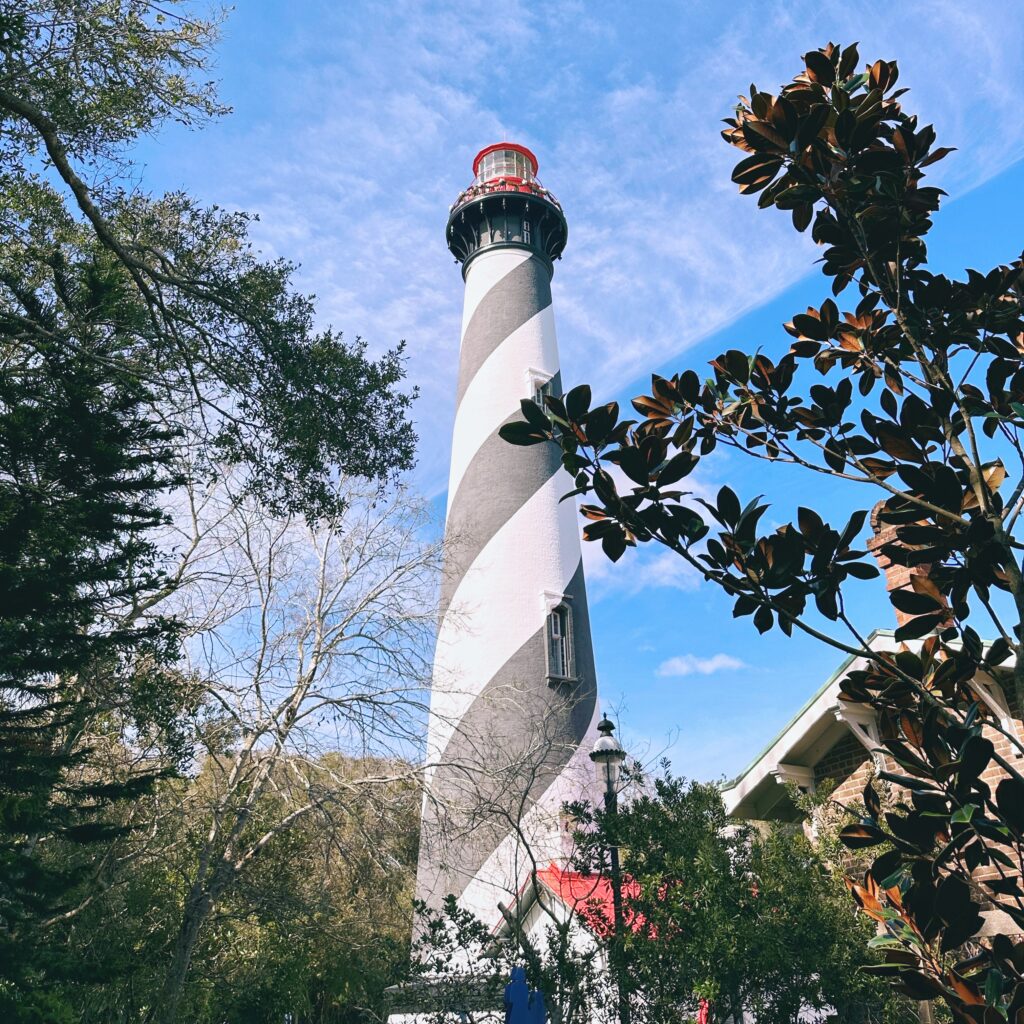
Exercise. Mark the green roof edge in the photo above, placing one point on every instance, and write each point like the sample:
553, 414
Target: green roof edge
817, 693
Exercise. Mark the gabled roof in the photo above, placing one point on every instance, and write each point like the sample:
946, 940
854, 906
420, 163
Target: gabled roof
590, 896
755, 793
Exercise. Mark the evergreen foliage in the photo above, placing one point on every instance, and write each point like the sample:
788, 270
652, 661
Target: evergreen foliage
748, 919
735, 917
81, 471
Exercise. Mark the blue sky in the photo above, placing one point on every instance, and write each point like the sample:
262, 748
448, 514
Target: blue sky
354, 127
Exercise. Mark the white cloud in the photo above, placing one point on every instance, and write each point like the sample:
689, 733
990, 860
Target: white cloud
639, 570
367, 117
691, 664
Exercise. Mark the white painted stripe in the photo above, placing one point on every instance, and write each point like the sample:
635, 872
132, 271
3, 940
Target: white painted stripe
484, 273
486, 622
497, 387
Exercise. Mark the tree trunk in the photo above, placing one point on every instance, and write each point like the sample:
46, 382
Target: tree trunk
196, 911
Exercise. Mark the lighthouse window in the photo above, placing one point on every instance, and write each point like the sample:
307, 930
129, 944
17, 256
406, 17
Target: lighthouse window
526, 232
559, 643
504, 163
542, 388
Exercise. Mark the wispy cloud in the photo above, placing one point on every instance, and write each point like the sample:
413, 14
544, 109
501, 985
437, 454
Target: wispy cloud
639, 571
691, 664
367, 117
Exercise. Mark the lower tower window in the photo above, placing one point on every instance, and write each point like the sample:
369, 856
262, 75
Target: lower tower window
560, 661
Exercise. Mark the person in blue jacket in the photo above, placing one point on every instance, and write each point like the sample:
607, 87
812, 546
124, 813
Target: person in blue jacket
517, 998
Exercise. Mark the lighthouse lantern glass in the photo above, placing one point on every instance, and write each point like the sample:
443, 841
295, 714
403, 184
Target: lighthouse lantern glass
505, 163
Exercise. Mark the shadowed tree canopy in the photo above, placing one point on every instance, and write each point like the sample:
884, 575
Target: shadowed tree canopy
727, 916
82, 469
909, 384
747, 920
144, 343
230, 350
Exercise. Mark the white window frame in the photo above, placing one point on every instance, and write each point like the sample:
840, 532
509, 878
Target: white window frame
555, 603
536, 382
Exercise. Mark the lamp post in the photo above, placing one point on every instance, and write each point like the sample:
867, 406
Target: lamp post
608, 756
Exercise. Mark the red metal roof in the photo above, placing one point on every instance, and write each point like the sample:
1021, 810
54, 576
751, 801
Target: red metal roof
591, 897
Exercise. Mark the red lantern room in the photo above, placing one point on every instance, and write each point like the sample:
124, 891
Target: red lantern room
506, 206
505, 160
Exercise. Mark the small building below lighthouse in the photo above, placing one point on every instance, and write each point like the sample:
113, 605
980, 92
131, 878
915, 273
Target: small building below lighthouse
513, 693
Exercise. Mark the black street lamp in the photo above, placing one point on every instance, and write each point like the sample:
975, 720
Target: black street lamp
608, 756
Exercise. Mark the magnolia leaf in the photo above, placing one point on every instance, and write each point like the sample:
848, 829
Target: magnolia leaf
962, 815
914, 603
521, 433
862, 835
577, 402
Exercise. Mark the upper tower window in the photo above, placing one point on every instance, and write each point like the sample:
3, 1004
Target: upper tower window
509, 162
560, 660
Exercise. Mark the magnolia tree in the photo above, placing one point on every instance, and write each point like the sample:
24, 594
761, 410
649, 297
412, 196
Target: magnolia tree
914, 390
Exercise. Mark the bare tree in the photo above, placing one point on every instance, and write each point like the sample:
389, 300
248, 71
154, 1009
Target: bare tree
514, 796
308, 640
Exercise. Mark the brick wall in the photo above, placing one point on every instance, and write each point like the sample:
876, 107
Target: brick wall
848, 765
994, 773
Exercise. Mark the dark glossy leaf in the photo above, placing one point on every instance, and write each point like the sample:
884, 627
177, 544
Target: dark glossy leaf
599, 422
860, 836
676, 468
820, 67
534, 416
521, 433
871, 801
764, 619
614, 544
913, 603
810, 523
577, 402
728, 506
974, 757
1010, 801
919, 626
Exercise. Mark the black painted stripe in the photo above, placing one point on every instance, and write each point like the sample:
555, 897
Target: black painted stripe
518, 297
498, 481
511, 744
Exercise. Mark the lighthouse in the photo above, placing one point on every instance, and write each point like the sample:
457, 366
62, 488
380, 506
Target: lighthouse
513, 692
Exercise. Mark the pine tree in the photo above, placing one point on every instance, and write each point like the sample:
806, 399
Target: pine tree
81, 468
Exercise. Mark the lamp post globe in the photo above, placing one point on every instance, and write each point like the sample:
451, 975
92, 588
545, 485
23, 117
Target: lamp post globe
607, 756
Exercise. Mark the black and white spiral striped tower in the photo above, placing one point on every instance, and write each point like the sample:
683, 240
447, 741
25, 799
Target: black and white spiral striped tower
513, 700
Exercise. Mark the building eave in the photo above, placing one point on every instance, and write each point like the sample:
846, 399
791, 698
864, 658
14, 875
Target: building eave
814, 728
